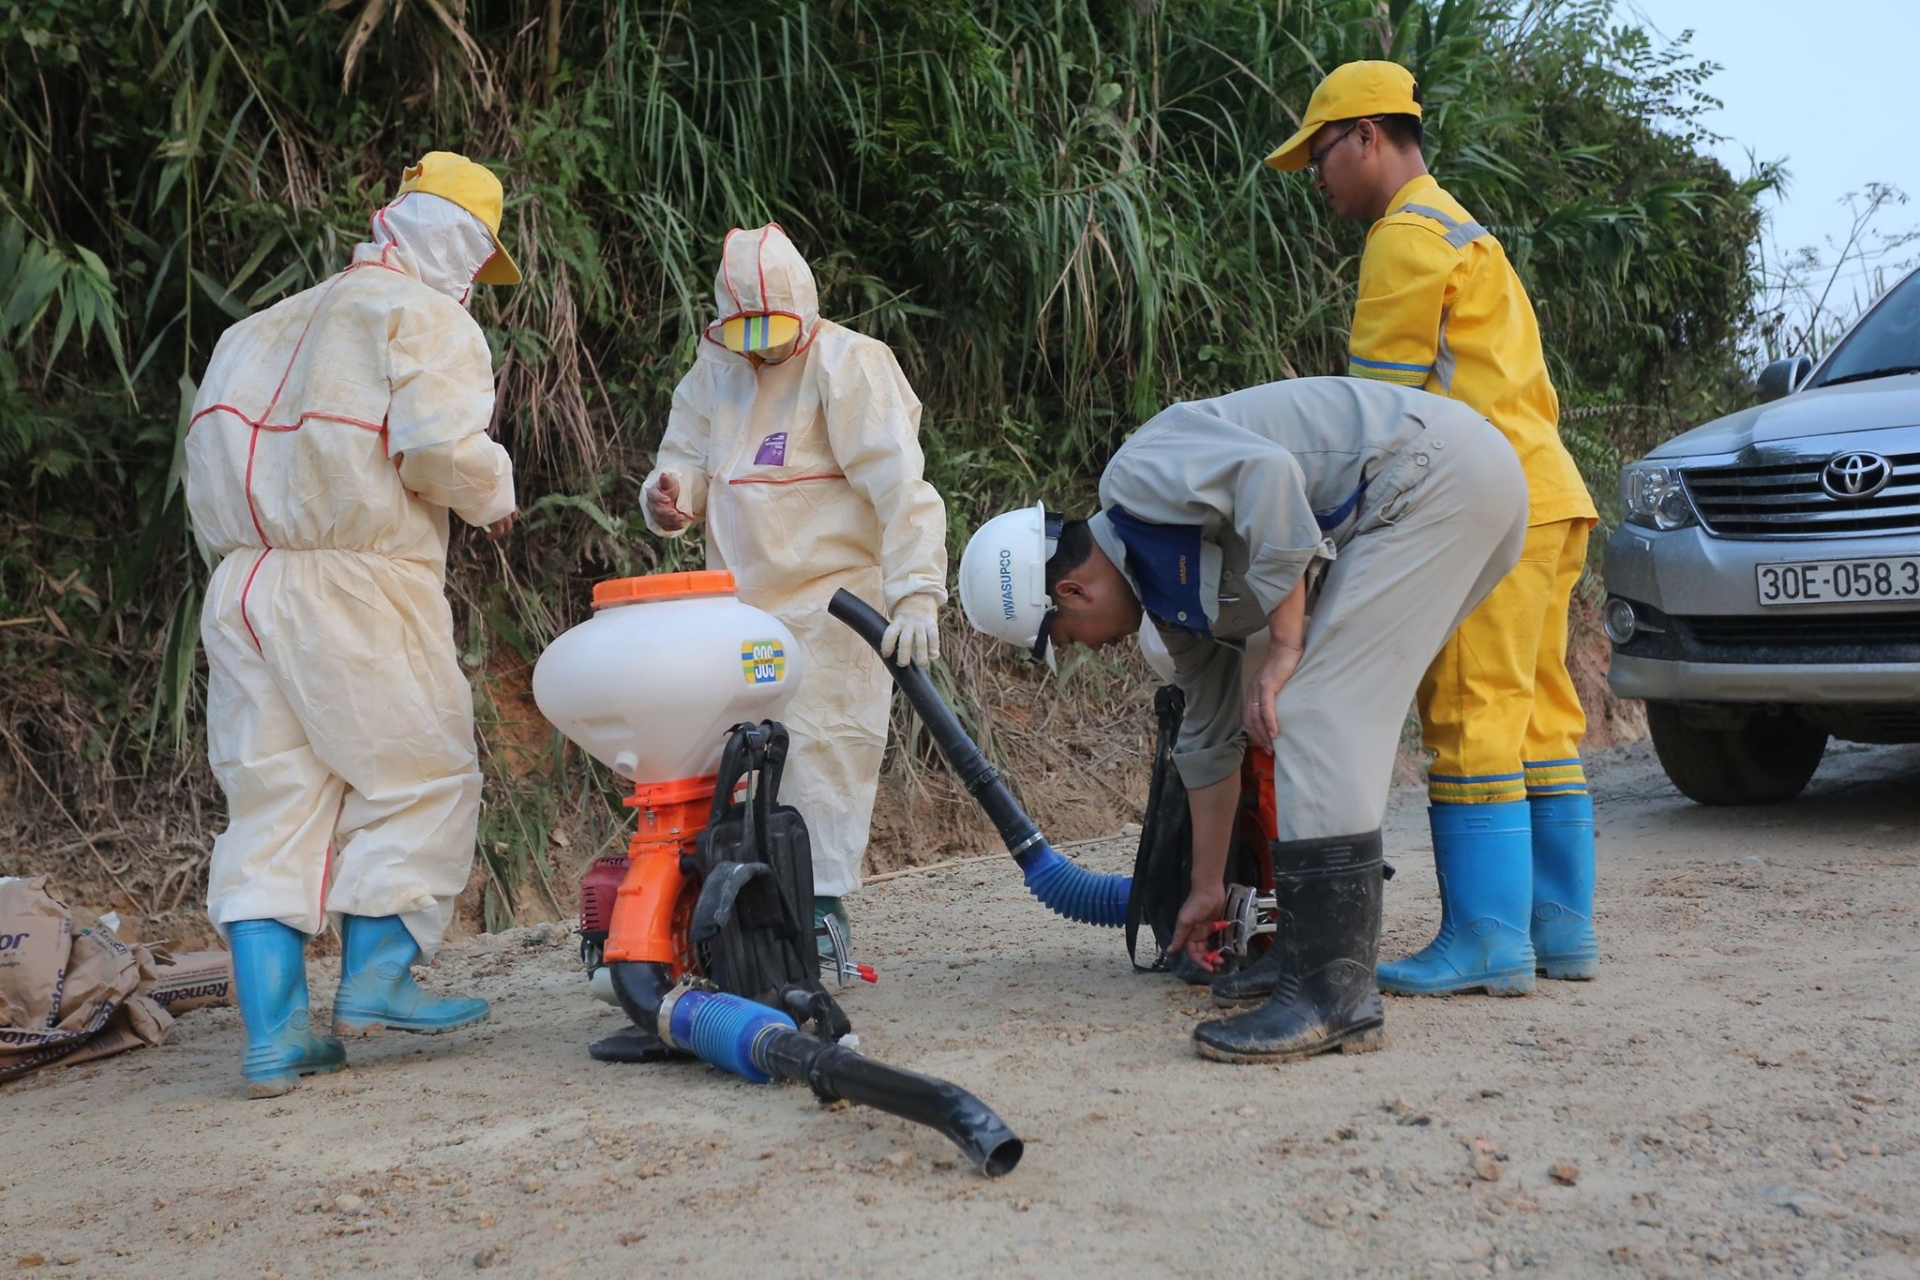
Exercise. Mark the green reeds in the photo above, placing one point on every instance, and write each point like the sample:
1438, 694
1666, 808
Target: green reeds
1054, 210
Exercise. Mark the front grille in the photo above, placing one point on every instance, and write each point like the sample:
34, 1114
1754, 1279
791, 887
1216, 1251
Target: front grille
1828, 639
1785, 500
1852, 629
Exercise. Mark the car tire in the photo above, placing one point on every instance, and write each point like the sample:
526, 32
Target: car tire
1764, 758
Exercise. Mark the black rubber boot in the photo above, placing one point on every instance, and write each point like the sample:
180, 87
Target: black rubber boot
1329, 893
1250, 985
1190, 973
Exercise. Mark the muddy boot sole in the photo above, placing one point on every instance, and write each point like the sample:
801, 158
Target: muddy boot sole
1517, 983
1367, 1040
1581, 970
361, 1030
280, 1086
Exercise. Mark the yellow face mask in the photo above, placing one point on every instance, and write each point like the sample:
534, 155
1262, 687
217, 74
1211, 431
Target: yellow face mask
759, 331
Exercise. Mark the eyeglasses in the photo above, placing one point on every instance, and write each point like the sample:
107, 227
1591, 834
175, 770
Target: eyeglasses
1317, 158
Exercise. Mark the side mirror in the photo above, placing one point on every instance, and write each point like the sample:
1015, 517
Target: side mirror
1784, 377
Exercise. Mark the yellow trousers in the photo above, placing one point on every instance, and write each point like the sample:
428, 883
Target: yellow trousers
1497, 706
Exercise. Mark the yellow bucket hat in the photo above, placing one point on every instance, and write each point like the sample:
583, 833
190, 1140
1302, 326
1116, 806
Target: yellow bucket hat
475, 189
1349, 92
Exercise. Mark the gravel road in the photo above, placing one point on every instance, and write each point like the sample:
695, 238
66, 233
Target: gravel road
1737, 1094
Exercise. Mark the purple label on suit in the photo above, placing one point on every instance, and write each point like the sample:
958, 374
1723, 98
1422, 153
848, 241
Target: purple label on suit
773, 451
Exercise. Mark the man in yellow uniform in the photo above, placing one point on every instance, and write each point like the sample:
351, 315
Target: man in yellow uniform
1440, 308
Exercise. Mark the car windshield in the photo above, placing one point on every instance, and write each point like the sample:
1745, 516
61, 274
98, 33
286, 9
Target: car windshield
1885, 343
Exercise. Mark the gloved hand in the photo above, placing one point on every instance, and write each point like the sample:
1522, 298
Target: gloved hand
914, 634
662, 504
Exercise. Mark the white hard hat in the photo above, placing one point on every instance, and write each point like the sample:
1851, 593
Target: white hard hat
1003, 578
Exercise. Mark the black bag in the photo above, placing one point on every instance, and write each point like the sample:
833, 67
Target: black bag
753, 921
1163, 865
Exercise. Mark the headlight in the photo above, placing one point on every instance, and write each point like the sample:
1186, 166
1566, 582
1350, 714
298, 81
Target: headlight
1653, 496
1619, 620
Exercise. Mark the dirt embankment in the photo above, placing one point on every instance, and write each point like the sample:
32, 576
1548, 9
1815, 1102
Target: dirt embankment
1076, 750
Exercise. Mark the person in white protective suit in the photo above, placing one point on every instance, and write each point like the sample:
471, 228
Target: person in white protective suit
797, 441
331, 436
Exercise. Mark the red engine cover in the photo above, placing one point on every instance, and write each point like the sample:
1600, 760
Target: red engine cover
597, 890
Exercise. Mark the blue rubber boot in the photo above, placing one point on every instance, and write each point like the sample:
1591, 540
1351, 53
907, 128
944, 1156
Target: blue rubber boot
1483, 855
377, 989
270, 986
1564, 943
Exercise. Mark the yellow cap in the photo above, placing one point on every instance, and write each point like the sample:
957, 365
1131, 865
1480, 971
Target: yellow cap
1350, 92
473, 188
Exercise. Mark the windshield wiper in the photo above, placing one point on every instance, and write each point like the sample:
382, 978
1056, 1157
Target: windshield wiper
1872, 373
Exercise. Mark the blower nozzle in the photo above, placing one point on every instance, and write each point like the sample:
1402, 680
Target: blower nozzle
759, 1043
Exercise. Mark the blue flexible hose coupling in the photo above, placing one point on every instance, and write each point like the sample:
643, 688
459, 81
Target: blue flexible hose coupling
1060, 883
720, 1029
1083, 896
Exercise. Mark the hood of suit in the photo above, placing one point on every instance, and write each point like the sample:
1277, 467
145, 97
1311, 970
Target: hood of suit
761, 271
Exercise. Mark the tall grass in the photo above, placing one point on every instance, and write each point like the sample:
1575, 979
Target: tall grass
1053, 209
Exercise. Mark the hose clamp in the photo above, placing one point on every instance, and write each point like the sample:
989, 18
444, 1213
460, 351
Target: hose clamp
663, 1018
1026, 844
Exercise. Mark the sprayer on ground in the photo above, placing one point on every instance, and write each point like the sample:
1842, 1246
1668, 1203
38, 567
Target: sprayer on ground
705, 927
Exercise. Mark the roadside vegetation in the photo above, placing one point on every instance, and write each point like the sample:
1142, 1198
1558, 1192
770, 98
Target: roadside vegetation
1053, 209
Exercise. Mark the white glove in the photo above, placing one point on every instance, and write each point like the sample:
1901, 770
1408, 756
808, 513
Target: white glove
914, 634
661, 502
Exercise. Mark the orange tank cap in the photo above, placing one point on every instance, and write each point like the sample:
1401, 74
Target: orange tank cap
663, 586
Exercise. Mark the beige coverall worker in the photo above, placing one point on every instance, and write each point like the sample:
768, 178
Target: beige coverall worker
807, 472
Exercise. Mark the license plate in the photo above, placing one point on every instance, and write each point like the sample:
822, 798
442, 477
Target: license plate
1839, 581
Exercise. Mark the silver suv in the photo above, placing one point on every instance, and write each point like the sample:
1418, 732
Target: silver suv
1764, 586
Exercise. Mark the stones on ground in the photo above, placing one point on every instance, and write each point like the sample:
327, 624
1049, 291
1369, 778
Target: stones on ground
1564, 1172
487, 1257
900, 1159
1404, 1114
1805, 1203
1485, 1158
348, 1205
1808, 1205
530, 1184
1328, 1213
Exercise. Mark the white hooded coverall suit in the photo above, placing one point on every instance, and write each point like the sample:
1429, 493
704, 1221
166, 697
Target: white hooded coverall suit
808, 475
331, 435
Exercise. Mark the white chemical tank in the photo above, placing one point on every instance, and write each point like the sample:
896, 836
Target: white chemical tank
668, 663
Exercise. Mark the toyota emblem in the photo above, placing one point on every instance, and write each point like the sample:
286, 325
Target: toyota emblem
1856, 475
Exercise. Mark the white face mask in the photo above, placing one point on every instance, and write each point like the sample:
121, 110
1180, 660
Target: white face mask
433, 240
